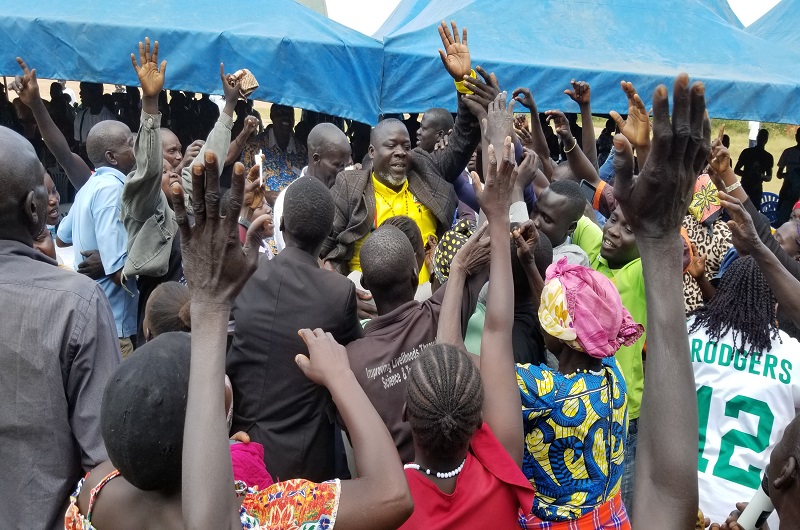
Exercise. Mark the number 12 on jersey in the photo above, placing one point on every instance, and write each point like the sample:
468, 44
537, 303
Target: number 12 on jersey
750, 478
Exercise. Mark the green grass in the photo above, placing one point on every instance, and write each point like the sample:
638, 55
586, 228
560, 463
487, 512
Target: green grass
781, 136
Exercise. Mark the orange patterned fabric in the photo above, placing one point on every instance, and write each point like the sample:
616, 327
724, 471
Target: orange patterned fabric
294, 504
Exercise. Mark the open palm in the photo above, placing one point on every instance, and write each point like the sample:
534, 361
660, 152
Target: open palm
455, 56
637, 127
151, 76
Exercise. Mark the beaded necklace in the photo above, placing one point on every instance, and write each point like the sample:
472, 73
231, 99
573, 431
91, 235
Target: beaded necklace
390, 204
440, 474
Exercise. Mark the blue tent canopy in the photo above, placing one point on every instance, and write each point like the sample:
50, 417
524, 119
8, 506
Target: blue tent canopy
299, 57
780, 24
723, 9
544, 44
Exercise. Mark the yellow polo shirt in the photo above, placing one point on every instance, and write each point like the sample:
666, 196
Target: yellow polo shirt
389, 203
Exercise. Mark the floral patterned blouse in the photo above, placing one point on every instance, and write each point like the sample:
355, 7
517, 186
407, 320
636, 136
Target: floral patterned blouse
295, 504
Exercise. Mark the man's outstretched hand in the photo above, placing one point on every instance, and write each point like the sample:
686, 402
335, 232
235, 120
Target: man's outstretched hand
483, 92
455, 55
580, 93
656, 201
26, 85
151, 75
216, 265
637, 127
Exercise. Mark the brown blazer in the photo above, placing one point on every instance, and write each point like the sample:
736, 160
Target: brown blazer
429, 179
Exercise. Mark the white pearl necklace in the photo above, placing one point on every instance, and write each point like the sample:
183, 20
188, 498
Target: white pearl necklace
448, 474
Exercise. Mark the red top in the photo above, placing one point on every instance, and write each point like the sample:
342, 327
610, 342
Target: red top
491, 491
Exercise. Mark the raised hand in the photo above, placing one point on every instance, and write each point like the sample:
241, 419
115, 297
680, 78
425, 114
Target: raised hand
495, 197
455, 56
327, 359
526, 171
719, 159
254, 190
499, 122
656, 202
743, 231
637, 127
190, 154
526, 237
523, 95
250, 124
214, 261
561, 124
151, 75
525, 137
474, 254
483, 92
697, 267
26, 85
443, 142
580, 93
231, 88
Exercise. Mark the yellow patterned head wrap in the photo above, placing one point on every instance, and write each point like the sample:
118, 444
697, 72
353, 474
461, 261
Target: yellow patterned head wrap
554, 316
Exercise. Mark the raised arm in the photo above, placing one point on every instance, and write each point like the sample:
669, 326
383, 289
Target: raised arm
582, 168
537, 140
785, 286
525, 237
452, 159
654, 204
581, 94
27, 87
142, 196
237, 146
636, 128
216, 268
219, 138
381, 481
469, 258
725, 180
501, 406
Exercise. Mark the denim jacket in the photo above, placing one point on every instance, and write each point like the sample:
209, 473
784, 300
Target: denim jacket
145, 212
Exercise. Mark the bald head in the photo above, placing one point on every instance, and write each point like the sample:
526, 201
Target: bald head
327, 136
436, 123
171, 148
328, 153
23, 203
110, 143
389, 265
384, 128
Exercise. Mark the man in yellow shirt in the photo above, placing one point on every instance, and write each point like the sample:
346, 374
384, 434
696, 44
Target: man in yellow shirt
406, 181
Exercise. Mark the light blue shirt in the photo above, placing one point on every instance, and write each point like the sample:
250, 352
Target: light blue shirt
94, 223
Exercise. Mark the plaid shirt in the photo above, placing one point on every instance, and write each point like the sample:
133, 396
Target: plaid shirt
430, 179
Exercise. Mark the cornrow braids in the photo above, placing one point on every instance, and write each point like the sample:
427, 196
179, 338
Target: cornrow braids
743, 304
444, 399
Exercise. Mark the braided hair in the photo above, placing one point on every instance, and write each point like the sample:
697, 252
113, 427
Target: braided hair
743, 304
444, 399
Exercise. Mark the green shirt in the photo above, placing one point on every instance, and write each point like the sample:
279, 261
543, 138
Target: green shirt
630, 284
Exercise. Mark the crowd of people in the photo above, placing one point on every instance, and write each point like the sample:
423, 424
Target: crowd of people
487, 320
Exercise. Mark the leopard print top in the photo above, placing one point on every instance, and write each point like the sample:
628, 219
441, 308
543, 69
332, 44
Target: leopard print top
714, 246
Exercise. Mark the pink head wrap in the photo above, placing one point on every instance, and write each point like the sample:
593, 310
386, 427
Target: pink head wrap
582, 307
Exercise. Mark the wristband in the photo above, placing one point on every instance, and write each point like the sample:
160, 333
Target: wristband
460, 84
571, 148
735, 186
